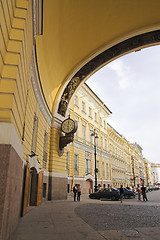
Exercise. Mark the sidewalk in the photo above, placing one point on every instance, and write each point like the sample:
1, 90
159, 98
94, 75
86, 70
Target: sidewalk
56, 220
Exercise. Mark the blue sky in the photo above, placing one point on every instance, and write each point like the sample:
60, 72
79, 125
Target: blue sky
131, 90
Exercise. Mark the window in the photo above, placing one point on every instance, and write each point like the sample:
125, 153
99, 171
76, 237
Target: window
34, 134
75, 162
95, 117
105, 144
76, 100
103, 169
107, 173
88, 163
83, 106
45, 148
38, 29
100, 121
83, 132
101, 142
90, 137
90, 112
68, 188
105, 124
44, 189
88, 166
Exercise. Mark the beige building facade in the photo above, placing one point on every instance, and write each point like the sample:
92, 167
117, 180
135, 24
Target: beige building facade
119, 157
118, 161
147, 172
91, 115
155, 168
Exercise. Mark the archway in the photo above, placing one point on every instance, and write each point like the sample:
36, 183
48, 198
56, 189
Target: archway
127, 46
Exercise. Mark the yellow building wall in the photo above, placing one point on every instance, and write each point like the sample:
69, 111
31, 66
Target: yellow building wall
17, 99
31, 109
16, 49
82, 146
120, 158
57, 163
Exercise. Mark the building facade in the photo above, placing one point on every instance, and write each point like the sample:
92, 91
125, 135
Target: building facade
155, 168
91, 115
117, 160
140, 163
147, 172
119, 152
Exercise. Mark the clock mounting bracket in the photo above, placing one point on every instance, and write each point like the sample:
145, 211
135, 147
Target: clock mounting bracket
69, 127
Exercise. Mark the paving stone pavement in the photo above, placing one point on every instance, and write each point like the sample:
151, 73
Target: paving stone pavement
85, 220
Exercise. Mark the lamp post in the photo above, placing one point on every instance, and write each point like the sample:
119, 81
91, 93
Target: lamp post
95, 135
133, 170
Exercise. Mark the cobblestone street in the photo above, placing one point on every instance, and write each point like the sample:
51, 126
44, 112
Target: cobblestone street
93, 219
115, 217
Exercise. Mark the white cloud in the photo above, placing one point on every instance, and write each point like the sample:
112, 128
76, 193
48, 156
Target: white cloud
130, 87
123, 72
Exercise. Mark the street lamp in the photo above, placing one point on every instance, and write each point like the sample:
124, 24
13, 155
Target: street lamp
95, 135
132, 158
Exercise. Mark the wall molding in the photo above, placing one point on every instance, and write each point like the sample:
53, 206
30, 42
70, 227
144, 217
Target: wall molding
38, 90
58, 175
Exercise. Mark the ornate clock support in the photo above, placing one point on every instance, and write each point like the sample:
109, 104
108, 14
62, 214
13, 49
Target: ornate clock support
63, 141
69, 127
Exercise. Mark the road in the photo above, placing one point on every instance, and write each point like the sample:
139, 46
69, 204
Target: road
132, 213
92, 219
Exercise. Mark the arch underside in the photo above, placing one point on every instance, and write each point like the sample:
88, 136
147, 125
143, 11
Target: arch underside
129, 45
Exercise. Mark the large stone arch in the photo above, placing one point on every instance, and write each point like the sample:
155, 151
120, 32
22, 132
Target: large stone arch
79, 38
132, 44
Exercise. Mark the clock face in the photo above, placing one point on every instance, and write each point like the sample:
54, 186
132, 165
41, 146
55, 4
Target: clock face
68, 126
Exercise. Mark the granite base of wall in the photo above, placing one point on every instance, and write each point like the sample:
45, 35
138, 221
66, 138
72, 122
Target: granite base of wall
58, 188
45, 188
11, 178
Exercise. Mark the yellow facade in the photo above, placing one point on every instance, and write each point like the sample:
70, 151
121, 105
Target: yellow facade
90, 113
118, 161
147, 172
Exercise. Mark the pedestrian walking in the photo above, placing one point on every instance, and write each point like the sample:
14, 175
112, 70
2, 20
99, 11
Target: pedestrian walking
143, 189
75, 192
78, 192
121, 193
139, 192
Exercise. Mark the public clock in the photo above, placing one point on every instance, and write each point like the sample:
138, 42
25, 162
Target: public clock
69, 126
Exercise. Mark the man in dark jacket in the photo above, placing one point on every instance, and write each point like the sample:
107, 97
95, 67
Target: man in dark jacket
75, 192
143, 189
121, 193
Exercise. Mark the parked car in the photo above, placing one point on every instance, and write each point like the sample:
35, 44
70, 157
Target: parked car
128, 193
108, 193
150, 188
